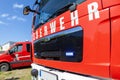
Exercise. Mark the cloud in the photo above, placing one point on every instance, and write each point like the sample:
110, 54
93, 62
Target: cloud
16, 5
13, 17
1, 22
16, 18
4, 15
21, 19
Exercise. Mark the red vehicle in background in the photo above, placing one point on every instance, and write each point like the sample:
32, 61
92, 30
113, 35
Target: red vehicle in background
19, 55
76, 39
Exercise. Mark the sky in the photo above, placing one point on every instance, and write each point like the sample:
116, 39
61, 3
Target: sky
14, 26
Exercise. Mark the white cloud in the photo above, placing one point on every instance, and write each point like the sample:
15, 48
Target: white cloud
13, 17
16, 5
1, 22
21, 19
8, 18
16, 18
4, 15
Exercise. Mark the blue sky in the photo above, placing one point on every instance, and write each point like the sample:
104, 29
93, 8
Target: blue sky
14, 26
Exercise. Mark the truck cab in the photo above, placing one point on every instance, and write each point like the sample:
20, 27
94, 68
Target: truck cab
18, 55
75, 39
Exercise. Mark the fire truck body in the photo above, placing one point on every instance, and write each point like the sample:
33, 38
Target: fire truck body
82, 40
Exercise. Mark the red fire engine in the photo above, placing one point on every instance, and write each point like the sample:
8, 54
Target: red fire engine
75, 39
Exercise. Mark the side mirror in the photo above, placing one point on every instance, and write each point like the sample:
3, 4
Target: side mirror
26, 10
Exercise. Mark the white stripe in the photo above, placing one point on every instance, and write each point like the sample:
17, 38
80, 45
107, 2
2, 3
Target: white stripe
24, 56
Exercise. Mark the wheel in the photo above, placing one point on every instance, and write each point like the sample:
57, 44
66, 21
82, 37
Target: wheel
4, 67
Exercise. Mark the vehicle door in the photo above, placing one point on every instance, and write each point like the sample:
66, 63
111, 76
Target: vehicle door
25, 55
16, 52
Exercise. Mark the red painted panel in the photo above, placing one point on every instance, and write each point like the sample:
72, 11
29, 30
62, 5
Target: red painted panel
115, 52
108, 3
82, 10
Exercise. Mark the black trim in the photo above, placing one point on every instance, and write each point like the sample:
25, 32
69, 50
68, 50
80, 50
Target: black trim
66, 46
20, 61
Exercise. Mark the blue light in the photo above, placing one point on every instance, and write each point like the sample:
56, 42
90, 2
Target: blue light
69, 54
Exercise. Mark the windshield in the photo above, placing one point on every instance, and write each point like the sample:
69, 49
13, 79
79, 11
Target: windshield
48, 8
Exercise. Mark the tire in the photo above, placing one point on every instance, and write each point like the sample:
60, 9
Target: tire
4, 67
